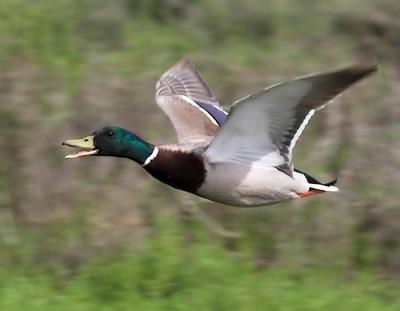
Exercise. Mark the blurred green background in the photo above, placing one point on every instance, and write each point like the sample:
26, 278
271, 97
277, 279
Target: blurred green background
99, 234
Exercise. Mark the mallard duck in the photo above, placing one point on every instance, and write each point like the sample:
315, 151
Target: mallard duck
240, 158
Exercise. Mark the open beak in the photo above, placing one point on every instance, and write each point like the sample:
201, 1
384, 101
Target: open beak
86, 144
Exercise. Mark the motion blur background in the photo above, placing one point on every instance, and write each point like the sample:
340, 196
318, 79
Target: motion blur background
98, 233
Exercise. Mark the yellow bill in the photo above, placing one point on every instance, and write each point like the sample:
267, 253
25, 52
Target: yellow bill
85, 143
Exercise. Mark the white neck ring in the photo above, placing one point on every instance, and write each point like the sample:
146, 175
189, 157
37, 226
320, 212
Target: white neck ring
151, 157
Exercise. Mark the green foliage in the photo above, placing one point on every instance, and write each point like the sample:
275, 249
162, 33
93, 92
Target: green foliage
63, 34
45, 32
204, 276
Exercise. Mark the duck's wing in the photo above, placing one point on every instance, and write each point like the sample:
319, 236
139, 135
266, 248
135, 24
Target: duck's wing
190, 105
263, 128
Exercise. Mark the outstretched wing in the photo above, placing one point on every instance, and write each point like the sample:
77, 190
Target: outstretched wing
190, 105
263, 128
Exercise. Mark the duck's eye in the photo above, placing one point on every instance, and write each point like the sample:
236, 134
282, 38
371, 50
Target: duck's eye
110, 133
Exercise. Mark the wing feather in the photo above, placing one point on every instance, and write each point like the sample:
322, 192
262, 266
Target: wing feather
190, 105
263, 128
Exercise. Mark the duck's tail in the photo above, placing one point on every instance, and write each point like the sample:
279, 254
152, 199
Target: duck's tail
316, 187
330, 186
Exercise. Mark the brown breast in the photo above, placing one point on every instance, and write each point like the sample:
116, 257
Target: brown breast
181, 170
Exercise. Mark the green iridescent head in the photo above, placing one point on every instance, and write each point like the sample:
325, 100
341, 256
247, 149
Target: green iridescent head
112, 141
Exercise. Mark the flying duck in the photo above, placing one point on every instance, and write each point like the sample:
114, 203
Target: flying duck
240, 158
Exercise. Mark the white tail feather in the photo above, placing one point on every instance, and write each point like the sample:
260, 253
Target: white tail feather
324, 188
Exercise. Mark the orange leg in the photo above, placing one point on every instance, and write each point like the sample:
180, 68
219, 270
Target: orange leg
308, 193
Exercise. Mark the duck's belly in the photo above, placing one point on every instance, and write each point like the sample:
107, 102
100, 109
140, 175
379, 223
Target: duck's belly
240, 185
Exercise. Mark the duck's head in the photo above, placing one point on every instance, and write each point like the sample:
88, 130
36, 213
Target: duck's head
111, 141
